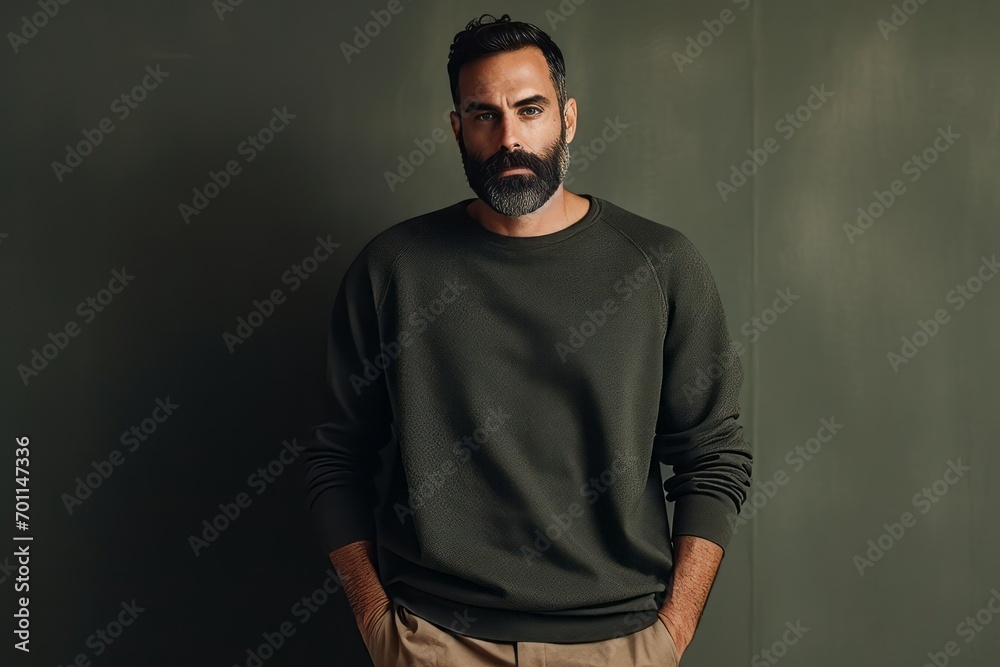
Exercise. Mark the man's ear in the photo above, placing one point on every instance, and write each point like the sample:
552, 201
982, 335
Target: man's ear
456, 125
569, 113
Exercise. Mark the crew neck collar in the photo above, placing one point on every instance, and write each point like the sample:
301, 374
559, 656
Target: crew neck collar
530, 242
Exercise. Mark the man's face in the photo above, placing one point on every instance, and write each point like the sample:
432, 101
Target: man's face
510, 120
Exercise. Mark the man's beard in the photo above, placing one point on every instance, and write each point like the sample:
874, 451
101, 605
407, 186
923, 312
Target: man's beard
517, 194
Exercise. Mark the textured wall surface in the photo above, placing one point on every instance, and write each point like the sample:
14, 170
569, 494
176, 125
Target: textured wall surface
836, 164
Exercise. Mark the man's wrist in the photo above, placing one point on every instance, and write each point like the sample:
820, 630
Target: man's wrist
354, 564
681, 631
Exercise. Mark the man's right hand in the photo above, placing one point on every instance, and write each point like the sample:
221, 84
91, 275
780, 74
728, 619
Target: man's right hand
355, 565
367, 620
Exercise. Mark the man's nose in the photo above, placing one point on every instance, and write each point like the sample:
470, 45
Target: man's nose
509, 138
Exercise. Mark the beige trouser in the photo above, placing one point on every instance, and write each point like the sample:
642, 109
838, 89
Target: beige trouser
403, 639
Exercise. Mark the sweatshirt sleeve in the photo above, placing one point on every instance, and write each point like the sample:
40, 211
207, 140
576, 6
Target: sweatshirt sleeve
697, 431
341, 455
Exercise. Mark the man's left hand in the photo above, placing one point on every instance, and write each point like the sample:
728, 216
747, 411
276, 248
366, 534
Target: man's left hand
681, 634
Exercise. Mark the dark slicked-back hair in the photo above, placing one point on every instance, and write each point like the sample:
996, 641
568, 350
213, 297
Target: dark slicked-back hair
487, 35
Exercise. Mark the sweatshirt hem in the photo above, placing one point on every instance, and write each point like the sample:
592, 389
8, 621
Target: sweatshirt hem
507, 625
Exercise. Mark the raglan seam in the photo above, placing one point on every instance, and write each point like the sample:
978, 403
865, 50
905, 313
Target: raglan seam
656, 275
399, 255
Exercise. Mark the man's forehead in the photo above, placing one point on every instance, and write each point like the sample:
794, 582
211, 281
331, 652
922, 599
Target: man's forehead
517, 74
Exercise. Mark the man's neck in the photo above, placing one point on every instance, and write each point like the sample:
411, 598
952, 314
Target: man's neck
561, 210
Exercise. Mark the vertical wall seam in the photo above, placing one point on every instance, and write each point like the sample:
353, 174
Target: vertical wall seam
754, 353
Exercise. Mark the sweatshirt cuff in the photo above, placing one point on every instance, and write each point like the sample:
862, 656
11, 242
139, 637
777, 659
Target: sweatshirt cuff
340, 518
709, 517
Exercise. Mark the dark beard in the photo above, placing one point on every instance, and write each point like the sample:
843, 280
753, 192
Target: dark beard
517, 194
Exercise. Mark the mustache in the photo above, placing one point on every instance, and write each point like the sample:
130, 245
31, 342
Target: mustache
504, 160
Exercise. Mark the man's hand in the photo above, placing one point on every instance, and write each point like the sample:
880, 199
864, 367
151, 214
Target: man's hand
355, 565
696, 562
682, 635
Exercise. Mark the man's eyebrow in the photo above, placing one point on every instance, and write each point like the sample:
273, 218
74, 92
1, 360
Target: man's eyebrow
486, 106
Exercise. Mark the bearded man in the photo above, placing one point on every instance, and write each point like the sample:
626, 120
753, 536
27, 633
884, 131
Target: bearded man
533, 356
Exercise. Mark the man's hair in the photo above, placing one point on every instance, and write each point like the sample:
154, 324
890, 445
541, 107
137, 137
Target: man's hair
501, 34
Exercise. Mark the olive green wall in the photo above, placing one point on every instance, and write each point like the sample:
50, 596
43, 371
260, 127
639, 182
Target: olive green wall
868, 342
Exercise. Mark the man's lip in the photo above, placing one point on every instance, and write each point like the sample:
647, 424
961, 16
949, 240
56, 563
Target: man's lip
514, 170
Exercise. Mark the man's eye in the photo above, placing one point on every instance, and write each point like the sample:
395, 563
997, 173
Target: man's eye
489, 115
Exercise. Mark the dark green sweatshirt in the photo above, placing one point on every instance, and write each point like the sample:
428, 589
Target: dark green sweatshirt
529, 387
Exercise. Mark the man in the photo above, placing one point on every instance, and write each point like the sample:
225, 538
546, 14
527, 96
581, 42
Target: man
534, 355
